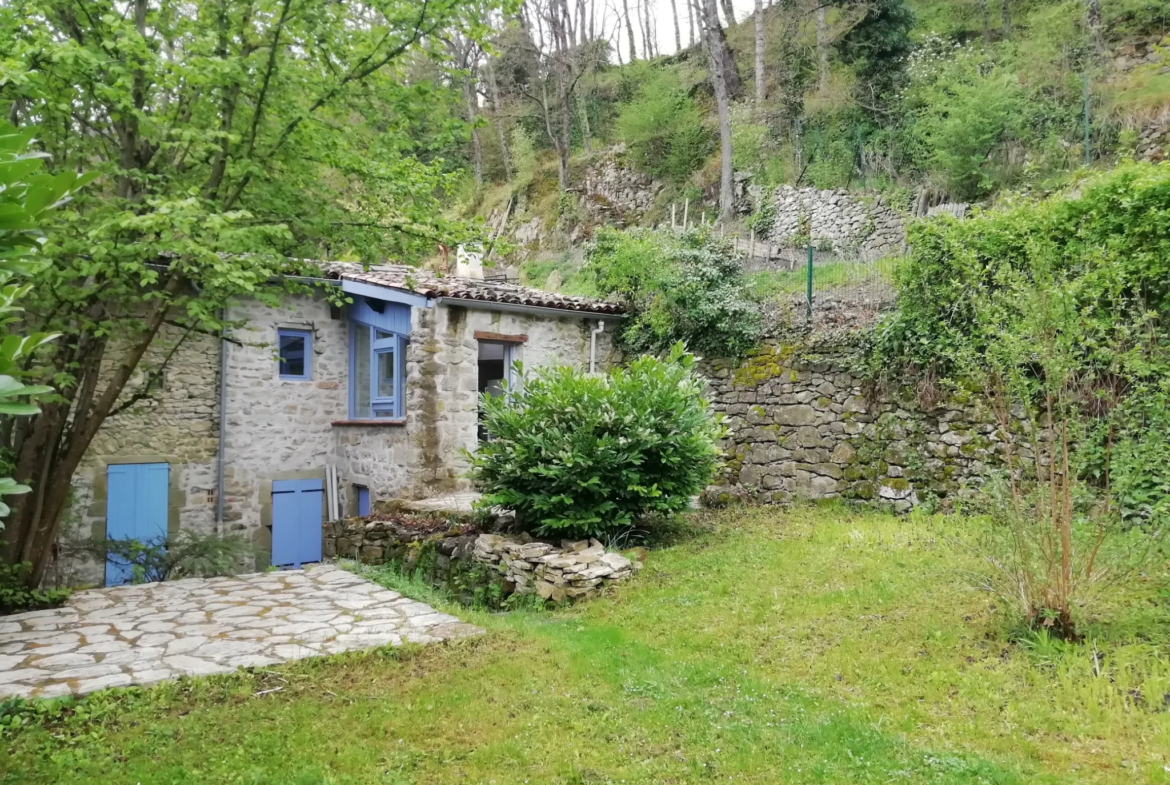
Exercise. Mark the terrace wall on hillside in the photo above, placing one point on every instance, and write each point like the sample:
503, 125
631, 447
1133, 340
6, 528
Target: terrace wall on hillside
801, 425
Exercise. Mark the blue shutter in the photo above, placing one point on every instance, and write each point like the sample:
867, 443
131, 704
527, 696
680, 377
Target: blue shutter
136, 509
363, 500
296, 522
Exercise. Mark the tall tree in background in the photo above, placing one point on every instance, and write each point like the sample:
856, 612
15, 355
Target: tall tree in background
629, 30
227, 136
465, 53
761, 39
1005, 13
728, 11
691, 19
822, 49
677, 29
722, 101
498, 119
648, 42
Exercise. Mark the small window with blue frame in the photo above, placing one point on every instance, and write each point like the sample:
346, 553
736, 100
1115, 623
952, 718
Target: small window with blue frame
293, 354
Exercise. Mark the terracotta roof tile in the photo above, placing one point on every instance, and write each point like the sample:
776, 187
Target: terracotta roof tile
428, 284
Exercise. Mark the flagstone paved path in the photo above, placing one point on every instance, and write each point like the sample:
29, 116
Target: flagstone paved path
199, 626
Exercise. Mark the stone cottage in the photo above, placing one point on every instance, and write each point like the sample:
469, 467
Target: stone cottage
313, 411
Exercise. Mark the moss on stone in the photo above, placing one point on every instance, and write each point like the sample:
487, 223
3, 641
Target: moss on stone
865, 490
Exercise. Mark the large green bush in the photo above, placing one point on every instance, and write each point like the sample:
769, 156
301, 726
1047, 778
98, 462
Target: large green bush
686, 287
1107, 243
578, 455
663, 129
1060, 307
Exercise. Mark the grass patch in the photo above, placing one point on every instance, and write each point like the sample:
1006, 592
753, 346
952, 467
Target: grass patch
826, 276
821, 645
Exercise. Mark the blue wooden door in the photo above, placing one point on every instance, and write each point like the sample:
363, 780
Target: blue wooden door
136, 508
296, 522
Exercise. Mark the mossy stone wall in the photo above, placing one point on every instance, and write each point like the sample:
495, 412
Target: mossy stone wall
802, 424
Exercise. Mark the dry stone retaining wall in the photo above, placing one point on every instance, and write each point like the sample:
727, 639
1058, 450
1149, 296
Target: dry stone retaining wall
576, 569
801, 425
838, 219
519, 564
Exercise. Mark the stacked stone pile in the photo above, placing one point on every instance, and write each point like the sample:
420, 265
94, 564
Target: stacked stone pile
576, 569
610, 187
1154, 143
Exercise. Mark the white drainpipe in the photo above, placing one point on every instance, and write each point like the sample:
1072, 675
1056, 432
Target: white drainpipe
598, 330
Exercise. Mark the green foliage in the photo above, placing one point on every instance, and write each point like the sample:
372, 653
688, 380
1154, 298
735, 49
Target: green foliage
877, 45
17, 597
966, 283
708, 668
189, 555
965, 106
1128, 450
523, 160
228, 139
676, 287
1057, 311
577, 455
664, 131
27, 197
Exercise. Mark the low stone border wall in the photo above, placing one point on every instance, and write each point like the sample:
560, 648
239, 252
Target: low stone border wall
576, 569
474, 565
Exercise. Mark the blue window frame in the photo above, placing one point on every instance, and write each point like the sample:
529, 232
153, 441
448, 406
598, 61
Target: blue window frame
294, 354
377, 368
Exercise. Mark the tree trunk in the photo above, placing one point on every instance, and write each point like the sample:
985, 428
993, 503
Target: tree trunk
822, 51
760, 41
731, 78
577, 69
985, 15
647, 35
1006, 13
677, 29
561, 71
697, 11
729, 12
498, 121
691, 19
722, 101
629, 30
62, 434
469, 96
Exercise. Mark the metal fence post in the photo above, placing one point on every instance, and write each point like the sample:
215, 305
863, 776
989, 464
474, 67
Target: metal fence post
808, 312
1088, 126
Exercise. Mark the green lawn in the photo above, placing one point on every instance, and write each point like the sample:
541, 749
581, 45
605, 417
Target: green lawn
817, 645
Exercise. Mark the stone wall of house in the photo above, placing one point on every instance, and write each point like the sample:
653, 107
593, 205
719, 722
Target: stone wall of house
802, 425
842, 221
572, 570
175, 424
278, 429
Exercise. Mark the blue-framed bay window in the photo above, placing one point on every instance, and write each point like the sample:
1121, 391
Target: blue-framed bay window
377, 359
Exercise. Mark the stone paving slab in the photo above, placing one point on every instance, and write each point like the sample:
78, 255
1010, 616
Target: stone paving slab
200, 626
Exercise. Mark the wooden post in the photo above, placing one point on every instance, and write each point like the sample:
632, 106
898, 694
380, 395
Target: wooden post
686, 214
673, 225
752, 246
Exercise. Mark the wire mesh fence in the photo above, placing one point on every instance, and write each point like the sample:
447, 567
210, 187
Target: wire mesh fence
824, 287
